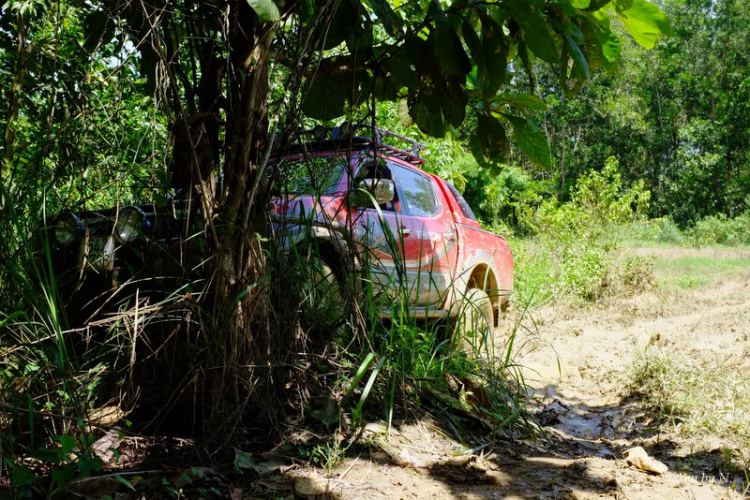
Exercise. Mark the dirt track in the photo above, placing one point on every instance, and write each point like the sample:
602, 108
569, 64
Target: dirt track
582, 405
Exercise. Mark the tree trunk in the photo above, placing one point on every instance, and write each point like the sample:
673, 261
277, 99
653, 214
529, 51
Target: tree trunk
14, 94
241, 301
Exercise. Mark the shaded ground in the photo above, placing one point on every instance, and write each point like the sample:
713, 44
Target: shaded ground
582, 404
576, 365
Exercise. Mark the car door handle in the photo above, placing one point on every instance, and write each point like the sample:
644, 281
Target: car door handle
405, 231
450, 236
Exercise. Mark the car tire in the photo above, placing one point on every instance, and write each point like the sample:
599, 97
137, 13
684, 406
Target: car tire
325, 291
472, 323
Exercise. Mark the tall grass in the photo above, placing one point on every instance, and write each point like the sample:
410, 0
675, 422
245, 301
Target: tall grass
62, 380
709, 231
697, 399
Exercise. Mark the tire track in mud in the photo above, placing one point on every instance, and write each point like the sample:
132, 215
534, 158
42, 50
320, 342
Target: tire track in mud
583, 408
585, 403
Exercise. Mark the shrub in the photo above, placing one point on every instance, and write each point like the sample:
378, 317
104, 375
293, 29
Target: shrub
721, 230
581, 237
669, 232
661, 230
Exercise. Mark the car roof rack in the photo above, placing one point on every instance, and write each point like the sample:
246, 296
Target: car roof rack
332, 137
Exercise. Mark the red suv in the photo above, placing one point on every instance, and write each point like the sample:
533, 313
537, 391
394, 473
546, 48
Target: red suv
417, 237
417, 234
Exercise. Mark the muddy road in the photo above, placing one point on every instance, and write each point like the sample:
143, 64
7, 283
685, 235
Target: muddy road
576, 366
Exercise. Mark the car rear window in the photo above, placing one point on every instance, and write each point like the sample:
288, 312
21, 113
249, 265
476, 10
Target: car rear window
313, 175
465, 208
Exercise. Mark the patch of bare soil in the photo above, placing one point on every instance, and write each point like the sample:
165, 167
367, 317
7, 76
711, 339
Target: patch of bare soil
576, 369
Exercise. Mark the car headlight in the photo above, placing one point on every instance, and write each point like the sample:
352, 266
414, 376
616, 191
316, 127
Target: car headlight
131, 223
67, 229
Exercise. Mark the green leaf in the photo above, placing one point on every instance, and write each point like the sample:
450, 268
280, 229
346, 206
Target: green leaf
645, 22
385, 88
492, 136
495, 46
522, 102
265, 9
471, 39
530, 140
391, 21
448, 49
344, 21
324, 98
62, 475
428, 116
403, 72
368, 387
88, 464
472, 83
369, 360
597, 4
488, 143
454, 100
362, 88
67, 444
22, 476
360, 39
416, 48
612, 48
477, 150
573, 32
124, 481
580, 4
580, 66
621, 5
306, 10
526, 60
490, 55
611, 45
536, 34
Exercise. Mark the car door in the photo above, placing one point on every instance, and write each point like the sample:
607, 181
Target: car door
377, 231
430, 240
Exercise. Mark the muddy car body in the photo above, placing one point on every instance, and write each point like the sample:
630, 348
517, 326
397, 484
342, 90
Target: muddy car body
413, 227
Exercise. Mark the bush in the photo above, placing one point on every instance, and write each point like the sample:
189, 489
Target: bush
580, 238
661, 230
720, 230
669, 232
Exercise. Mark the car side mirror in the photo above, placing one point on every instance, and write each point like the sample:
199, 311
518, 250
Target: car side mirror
383, 190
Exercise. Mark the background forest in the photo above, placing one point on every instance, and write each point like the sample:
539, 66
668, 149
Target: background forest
674, 117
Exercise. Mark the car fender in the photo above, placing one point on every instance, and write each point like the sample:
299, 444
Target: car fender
478, 260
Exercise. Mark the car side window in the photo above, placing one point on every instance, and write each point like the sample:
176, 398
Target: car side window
416, 190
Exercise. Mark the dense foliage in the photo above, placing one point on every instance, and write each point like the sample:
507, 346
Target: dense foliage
521, 105
675, 117
552, 117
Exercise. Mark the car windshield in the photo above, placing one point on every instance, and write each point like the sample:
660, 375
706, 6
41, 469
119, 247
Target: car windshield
314, 175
